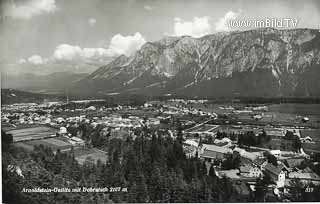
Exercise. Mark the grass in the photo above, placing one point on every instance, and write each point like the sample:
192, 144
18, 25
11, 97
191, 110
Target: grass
53, 143
315, 135
82, 154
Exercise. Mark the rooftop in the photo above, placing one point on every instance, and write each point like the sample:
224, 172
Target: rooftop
215, 148
304, 176
274, 169
293, 162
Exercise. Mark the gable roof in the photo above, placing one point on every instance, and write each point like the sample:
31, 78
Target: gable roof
215, 148
243, 153
275, 170
209, 154
245, 169
259, 161
306, 176
293, 162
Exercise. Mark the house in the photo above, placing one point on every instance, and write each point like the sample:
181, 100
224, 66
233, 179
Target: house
190, 142
307, 139
277, 133
260, 162
277, 173
91, 108
153, 121
76, 141
243, 153
293, 162
251, 171
275, 152
211, 152
306, 176
63, 131
224, 142
257, 117
231, 174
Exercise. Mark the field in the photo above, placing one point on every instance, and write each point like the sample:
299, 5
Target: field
202, 128
315, 135
298, 109
31, 133
94, 155
312, 111
53, 143
285, 114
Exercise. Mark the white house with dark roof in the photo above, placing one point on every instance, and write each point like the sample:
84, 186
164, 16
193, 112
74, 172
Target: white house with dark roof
277, 173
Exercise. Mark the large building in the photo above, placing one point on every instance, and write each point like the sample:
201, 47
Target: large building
212, 152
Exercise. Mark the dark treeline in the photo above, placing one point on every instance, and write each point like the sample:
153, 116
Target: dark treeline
152, 169
262, 100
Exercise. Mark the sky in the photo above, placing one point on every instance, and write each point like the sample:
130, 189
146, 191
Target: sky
46, 36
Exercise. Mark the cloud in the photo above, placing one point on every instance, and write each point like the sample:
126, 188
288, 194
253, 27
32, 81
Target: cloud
126, 45
147, 8
22, 61
75, 56
28, 9
66, 52
222, 24
198, 27
36, 60
118, 45
92, 22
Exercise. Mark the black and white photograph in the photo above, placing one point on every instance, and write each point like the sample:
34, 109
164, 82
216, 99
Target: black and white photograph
160, 101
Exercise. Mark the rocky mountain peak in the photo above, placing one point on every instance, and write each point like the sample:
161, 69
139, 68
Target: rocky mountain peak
174, 64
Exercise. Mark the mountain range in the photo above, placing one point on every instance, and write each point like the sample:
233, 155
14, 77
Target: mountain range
55, 83
255, 63
262, 62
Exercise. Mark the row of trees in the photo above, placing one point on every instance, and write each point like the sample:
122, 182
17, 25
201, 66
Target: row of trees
152, 169
250, 139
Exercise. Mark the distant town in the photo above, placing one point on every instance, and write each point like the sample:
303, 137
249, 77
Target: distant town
256, 147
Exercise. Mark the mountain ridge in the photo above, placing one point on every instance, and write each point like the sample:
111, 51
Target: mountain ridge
180, 65
54, 83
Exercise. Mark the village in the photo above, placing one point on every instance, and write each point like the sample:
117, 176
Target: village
241, 150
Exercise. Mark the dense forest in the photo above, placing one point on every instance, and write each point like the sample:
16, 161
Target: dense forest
153, 168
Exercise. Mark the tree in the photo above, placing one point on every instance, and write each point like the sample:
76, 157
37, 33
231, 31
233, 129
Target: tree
219, 135
271, 158
179, 132
226, 189
232, 161
296, 190
158, 185
289, 135
296, 144
260, 191
212, 172
6, 141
